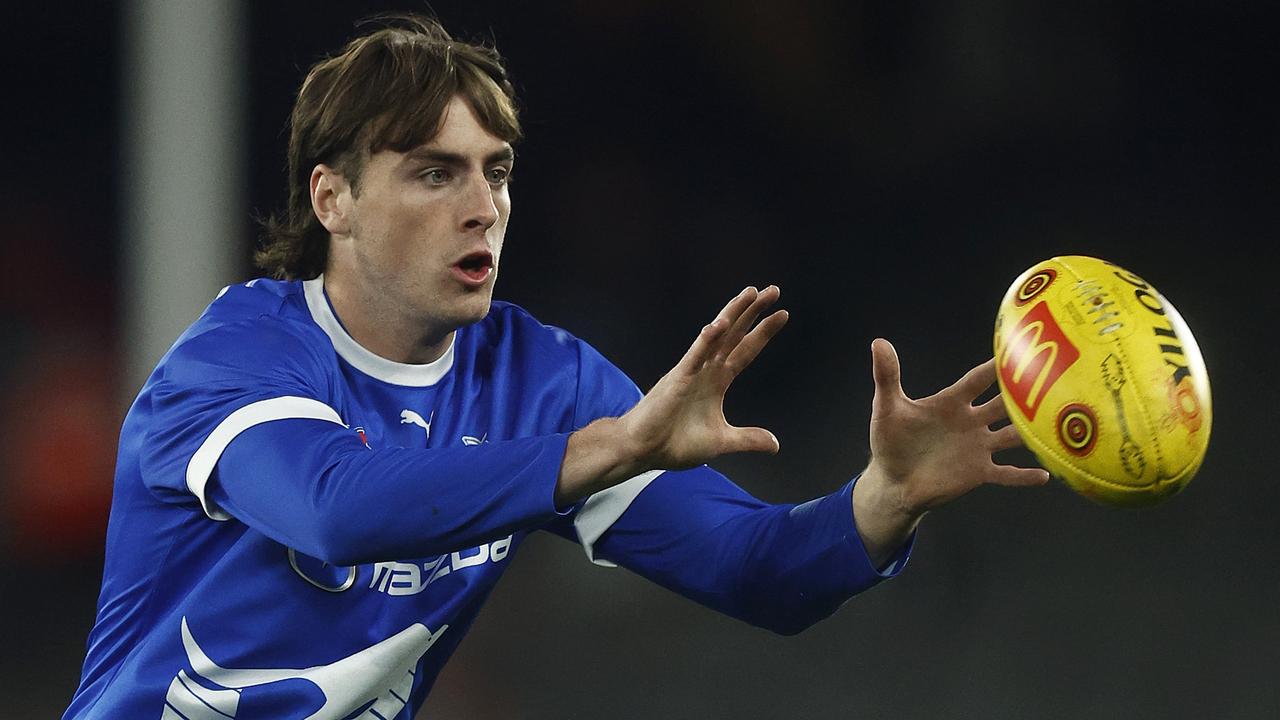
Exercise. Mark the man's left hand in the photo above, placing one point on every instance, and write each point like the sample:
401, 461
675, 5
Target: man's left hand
929, 451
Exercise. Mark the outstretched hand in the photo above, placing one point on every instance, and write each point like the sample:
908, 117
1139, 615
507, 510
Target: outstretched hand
680, 423
930, 451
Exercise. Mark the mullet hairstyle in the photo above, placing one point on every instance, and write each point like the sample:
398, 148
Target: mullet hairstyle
386, 90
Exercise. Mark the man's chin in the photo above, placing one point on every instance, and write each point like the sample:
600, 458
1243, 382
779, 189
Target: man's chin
473, 308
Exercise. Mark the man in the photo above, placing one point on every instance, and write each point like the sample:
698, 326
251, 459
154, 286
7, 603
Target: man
324, 477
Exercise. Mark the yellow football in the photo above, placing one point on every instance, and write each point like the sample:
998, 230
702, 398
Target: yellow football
1103, 380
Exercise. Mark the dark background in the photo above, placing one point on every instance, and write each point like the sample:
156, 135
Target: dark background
892, 166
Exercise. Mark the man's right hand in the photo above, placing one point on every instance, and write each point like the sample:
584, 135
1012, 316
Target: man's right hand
680, 423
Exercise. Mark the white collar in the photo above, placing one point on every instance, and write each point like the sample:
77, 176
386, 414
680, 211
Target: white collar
361, 359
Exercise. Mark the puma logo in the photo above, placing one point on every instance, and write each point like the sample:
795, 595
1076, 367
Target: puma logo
409, 417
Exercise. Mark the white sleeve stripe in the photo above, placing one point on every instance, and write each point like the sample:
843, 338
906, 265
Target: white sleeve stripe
282, 408
604, 508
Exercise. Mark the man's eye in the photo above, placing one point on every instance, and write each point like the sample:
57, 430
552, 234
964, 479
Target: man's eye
499, 176
436, 176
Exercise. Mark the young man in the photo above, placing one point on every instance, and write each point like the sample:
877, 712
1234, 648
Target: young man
327, 473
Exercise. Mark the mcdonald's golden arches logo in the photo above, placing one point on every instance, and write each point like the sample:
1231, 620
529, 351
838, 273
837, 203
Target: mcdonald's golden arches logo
1036, 353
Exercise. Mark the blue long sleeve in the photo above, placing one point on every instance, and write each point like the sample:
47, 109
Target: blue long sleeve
780, 567
315, 487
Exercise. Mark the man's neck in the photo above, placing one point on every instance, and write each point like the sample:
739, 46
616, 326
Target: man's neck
391, 336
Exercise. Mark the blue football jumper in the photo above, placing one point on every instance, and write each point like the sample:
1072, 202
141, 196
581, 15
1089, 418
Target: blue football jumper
303, 529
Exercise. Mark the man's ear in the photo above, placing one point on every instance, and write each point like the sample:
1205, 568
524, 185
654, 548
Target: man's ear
331, 199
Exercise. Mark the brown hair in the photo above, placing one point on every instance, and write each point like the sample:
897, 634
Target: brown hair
387, 90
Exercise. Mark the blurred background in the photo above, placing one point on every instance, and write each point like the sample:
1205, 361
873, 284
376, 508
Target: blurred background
892, 166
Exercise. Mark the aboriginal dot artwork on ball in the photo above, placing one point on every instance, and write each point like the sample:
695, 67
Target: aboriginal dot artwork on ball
1034, 285
1077, 429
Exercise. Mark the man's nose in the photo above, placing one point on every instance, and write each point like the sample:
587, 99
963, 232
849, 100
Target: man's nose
480, 209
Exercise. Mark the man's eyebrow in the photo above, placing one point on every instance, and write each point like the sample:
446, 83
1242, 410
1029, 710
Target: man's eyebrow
506, 153
450, 158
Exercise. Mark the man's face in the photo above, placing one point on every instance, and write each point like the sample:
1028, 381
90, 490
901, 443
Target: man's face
426, 226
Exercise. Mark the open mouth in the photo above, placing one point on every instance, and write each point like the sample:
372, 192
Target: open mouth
475, 267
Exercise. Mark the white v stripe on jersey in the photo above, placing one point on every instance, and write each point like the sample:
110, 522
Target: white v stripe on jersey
381, 674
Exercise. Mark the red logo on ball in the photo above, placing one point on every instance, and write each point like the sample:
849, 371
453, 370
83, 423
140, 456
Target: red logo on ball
1036, 353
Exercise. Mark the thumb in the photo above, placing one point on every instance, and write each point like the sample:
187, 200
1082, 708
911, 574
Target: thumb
752, 439
886, 372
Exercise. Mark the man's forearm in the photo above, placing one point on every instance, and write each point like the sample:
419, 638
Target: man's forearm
599, 456
781, 567
320, 491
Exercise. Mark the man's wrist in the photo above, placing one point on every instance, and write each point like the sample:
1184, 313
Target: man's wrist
883, 518
596, 457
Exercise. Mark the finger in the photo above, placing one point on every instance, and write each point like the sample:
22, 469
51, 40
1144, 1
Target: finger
887, 374
743, 324
751, 439
1013, 476
1005, 438
991, 411
730, 313
738, 305
755, 341
712, 334
975, 381
702, 348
